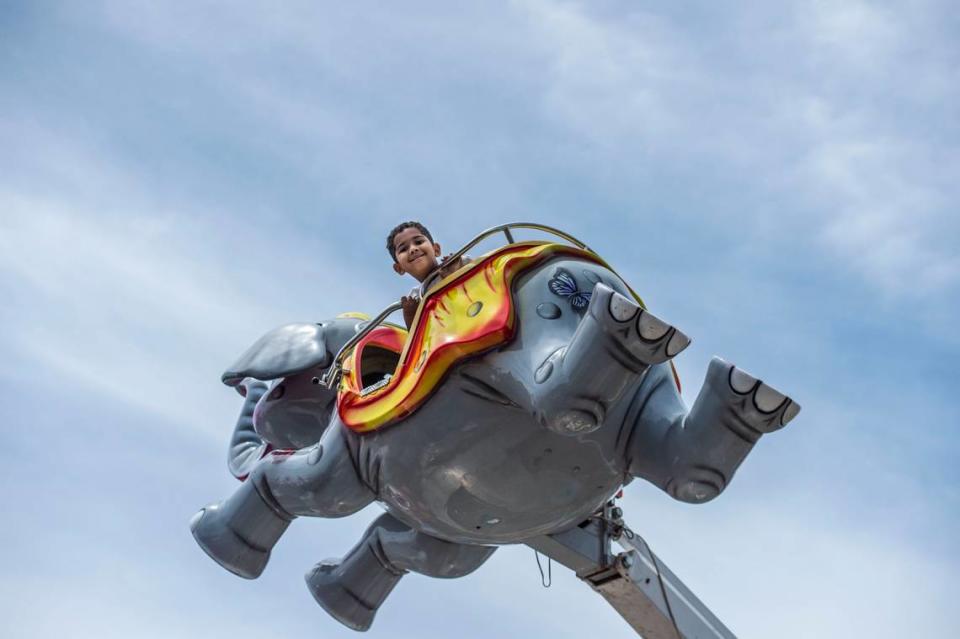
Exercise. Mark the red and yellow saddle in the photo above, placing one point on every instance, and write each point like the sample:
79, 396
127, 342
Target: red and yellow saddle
467, 313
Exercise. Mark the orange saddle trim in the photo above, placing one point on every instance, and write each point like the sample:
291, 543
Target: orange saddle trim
469, 312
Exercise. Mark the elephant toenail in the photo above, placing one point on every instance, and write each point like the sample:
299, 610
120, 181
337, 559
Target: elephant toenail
678, 342
767, 399
791, 411
741, 381
651, 327
622, 309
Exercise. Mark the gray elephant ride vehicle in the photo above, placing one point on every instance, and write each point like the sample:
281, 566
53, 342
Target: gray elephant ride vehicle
531, 386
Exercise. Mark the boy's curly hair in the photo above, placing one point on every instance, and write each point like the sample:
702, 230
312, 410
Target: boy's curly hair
405, 225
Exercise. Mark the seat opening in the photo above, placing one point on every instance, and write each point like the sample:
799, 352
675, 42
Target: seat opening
376, 363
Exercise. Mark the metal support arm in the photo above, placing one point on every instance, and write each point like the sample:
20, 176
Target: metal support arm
634, 582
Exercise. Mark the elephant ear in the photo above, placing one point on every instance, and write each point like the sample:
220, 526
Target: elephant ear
284, 351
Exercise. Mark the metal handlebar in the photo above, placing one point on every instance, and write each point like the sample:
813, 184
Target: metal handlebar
505, 228
333, 373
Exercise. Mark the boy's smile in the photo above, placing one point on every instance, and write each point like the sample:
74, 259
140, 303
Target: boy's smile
414, 253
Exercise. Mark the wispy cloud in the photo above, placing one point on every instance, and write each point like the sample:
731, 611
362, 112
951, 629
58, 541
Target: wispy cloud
142, 302
792, 121
781, 178
891, 221
798, 107
610, 82
846, 581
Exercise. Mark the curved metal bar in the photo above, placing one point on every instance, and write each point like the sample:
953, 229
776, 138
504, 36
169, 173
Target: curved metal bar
333, 373
505, 229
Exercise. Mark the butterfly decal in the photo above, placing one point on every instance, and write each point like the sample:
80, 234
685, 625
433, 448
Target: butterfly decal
563, 284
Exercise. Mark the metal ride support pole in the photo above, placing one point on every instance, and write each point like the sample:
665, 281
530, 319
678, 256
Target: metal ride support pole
634, 582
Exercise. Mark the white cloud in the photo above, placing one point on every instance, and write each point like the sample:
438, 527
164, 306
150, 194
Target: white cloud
884, 197
870, 190
786, 565
127, 287
142, 302
808, 107
853, 32
608, 81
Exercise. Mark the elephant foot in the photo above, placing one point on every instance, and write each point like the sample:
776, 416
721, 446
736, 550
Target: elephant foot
353, 590
239, 532
615, 343
761, 407
732, 412
639, 333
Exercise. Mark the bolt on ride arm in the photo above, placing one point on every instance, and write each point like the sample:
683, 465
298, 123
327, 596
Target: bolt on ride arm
634, 582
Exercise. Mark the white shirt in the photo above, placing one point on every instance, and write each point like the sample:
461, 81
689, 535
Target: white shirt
415, 291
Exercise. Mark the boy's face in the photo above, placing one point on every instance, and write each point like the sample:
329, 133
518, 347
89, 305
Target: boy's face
414, 253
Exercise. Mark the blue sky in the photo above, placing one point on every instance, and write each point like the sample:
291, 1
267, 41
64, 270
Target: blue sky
778, 179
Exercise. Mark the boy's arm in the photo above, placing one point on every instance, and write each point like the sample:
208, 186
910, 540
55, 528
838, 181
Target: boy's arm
410, 305
447, 269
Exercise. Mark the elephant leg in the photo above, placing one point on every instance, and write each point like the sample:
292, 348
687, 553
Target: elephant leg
320, 481
693, 456
353, 588
614, 344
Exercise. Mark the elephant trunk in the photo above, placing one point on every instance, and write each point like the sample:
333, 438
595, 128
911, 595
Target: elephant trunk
246, 446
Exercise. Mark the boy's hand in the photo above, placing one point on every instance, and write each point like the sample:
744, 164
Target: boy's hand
448, 268
409, 304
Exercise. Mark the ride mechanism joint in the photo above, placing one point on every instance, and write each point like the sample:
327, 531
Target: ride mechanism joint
635, 582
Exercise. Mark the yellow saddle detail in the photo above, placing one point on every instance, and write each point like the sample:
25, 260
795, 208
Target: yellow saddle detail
467, 313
